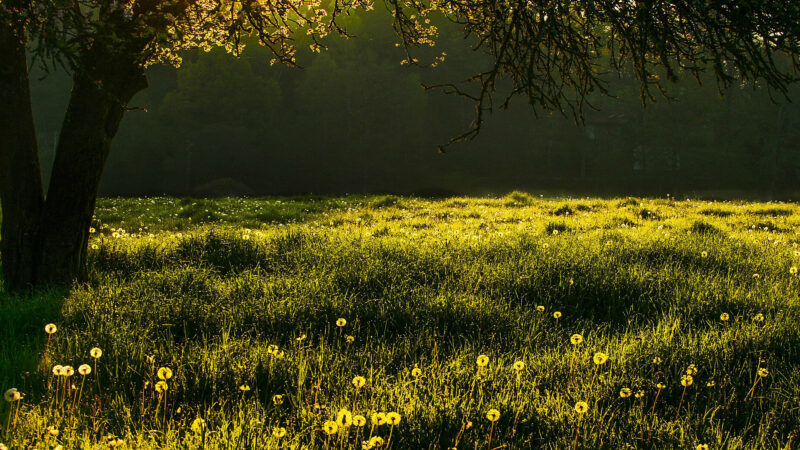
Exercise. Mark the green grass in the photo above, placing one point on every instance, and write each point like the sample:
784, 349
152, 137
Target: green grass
422, 284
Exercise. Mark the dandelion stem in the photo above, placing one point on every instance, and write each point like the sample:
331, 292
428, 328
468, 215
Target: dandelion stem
388, 441
653, 411
491, 432
677, 414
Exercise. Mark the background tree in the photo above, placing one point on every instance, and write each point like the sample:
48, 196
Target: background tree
549, 52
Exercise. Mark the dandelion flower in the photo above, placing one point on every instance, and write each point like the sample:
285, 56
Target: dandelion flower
625, 392
375, 441
600, 358
68, 371
349, 339
359, 420
493, 415
687, 380
763, 372
330, 427
279, 432
581, 407
557, 314
793, 270
161, 387
519, 365
711, 383
272, 349
341, 321
482, 360
344, 418
392, 418
639, 394
545, 246
359, 382
758, 317
244, 387
704, 254
724, 317
95, 246
84, 369
701, 447
198, 425
277, 399
540, 308
57, 369
95, 353
691, 370
378, 418
576, 339
416, 372
12, 395
661, 385
164, 373
50, 328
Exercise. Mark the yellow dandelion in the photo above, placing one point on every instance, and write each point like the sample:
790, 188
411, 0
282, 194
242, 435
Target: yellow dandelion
375, 441
359, 420
701, 447
341, 321
711, 383
164, 373
378, 418
244, 387
277, 399
660, 385
84, 369
416, 372
625, 392
95, 246
576, 339
50, 328
758, 317
639, 394
482, 360
272, 349
279, 432
519, 365
330, 427
540, 308
392, 418
687, 380
581, 407
95, 353
92, 230
557, 314
349, 339
724, 317
763, 372
691, 370
359, 382
600, 358
161, 387
344, 418
12, 395
704, 254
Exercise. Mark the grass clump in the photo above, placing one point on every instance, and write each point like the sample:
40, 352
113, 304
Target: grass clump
518, 198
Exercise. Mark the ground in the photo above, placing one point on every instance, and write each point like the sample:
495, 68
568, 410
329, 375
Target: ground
479, 321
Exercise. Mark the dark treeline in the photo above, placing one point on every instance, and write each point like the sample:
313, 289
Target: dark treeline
355, 121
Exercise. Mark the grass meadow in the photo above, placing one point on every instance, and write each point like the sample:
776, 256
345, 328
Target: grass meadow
394, 322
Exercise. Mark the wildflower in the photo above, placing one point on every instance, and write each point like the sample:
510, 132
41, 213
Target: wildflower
656, 360
95, 353
164, 373
687, 380
50, 328
758, 317
95, 246
12, 395
540, 308
244, 388
375, 441
359, 382
625, 392
272, 349
557, 314
704, 254
277, 399
701, 447
711, 383
340, 322
660, 385
392, 418
519, 365
763, 372
691, 370
198, 425
279, 432
581, 407
349, 339
67, 371
724, 317
359, 420
639, 394
84, 369
344, 418
378, 418
600, 358
576, 339
330, 427
416, 372
161, 387
493, 415
482, 360
92, 230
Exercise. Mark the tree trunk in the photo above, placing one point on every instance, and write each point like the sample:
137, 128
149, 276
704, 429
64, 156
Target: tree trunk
20, 174
100, 93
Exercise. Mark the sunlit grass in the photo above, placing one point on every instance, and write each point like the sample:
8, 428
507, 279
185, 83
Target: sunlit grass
396, 322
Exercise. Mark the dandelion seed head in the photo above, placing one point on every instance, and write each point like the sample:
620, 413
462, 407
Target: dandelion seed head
763, 372
576, 339
359, 420
340, 322
687, 380
625, 392
161, 387
581, 407
724, 317
519, 365
557, 314
12, 395
330, 428
279, 432
493, 415
416, 372
164, 373
392, 418
84, 369
95, 353
50, 328
359, 382
277, 399
600, 358
482, 360
344, 418
378, 418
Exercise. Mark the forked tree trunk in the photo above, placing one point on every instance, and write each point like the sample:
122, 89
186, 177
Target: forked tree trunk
20, 174
100, 93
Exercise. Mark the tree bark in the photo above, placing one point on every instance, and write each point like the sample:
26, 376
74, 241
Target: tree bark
101, 91
20, 173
